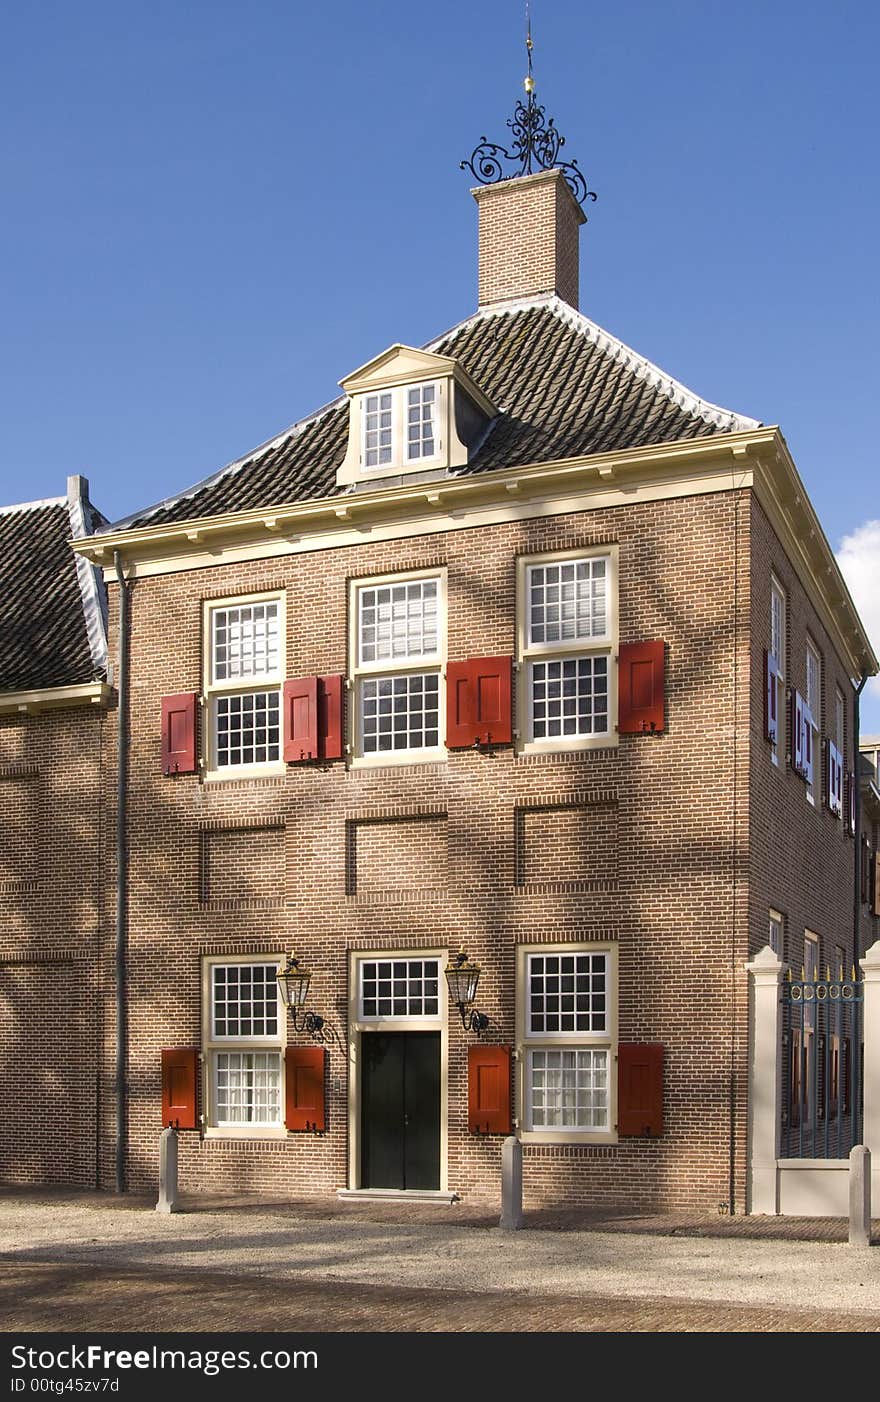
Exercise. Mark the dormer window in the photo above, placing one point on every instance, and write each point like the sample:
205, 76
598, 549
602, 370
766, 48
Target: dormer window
411, 411
421, 422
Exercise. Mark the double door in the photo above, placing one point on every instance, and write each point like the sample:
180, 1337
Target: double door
400, 1110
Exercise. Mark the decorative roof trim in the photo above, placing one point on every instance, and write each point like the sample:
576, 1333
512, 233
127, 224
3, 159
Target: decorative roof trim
33, 505
623, 354
91, 584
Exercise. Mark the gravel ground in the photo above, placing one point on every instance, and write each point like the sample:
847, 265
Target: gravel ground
275, 1242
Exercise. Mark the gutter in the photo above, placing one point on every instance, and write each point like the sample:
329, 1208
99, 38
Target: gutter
122, 880
857, 823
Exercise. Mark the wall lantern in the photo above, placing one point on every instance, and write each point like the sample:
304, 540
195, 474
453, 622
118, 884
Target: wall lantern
463, 976
293, 981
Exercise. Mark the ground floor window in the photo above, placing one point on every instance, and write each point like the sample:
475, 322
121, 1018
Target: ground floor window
243, 1043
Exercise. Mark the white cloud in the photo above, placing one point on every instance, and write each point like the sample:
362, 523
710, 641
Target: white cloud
859, 559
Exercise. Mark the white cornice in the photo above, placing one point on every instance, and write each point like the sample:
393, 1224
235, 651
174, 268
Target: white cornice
54, 697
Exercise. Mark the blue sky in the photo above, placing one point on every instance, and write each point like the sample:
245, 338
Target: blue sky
212, 212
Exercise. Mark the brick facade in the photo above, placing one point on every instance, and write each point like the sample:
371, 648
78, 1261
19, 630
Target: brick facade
528, 237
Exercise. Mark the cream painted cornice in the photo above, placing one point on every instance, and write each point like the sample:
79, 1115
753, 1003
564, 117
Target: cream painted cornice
54, 697
756, 458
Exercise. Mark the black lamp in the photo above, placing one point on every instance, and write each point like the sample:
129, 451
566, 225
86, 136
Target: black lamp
463, 976
293, 981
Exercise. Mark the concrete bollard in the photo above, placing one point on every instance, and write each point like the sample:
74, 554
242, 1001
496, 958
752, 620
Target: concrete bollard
860, 1196
511, 1185
167, 1171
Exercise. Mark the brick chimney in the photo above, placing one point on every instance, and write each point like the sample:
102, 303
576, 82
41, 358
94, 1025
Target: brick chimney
529, 230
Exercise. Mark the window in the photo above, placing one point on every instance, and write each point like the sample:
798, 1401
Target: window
398, 636
400, 426
244, 671
813, 716
567, 1020
399, 988
775, 937
811, 975
243, 1040
567, 636
777, 653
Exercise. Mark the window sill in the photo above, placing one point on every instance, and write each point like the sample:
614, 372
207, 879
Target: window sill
246, 1132
388, 759
609, 741
246, 771
558, 1136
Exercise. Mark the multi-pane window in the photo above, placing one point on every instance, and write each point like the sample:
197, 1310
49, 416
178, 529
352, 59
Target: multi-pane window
568, 992
421, 422
566, 636
399, 988
243, 1041
567, 1024
378, 429
777, 653
398, 653
813, 718
243, 677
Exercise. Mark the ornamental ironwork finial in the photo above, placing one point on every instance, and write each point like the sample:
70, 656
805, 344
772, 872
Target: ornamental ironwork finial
535, 147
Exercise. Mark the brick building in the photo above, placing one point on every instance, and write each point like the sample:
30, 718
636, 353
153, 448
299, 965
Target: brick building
518, 645
53, 698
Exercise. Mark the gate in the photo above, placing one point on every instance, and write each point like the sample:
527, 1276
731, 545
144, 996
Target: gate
822, 1066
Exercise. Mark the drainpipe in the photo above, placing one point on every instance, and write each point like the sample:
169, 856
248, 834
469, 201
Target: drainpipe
857, 824
121, 878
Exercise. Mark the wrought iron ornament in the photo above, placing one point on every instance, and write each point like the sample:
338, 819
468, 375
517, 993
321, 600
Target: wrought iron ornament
536, 146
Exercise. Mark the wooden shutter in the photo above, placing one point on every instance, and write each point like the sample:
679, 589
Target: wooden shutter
639, 1089
301, 720
478, 702
330, 717
179, 733
640, 704
864, 869
851, 801
180, 1074
771, 698
304, 1088
875, 884
797, 730
834, 779
489, 1090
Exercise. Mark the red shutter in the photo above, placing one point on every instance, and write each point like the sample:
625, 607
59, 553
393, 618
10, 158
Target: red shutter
489, 1090
179, 733
478, 702
459, 706
301, 720
180, 1074
798, 729
304, 1089
640, 701
330, 717
639, 1089
771, 694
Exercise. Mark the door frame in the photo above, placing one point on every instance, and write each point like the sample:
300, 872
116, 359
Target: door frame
356, 1026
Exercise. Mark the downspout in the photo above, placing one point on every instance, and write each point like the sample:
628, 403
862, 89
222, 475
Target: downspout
857, 821
121, 878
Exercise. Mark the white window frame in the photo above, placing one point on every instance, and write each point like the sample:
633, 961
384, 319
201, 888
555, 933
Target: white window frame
778, 608
400, 461
812, 973
529, 653
213, 690
813, 714
212, 1046
359, 672
528, 1042
776, 932
377, 1019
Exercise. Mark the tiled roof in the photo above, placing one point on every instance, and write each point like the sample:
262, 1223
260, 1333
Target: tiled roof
51, 629
565, 389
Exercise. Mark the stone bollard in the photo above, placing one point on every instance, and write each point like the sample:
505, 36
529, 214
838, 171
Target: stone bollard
511, 1185
860, 1196
167, 1171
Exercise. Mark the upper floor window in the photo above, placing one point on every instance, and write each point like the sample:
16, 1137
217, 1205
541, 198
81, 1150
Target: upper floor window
777, 653
813, 698
244, 672
421, 422
378, 444
398, 651
567, 633
400, 425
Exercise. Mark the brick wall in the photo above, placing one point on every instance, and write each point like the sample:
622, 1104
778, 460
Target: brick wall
52, 955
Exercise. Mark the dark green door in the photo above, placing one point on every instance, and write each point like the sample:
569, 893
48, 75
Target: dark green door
400, 1110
